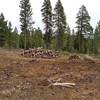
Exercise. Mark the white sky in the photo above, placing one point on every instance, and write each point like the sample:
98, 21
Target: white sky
11, 10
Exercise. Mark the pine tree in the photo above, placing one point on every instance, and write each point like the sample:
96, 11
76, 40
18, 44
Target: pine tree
3, 30
9, 35
70, 40
26, 21
21, 40
36, 38
47, 20
15, 38
68, 45
73, 40
90, 41
59, 24
97, 39
83, 29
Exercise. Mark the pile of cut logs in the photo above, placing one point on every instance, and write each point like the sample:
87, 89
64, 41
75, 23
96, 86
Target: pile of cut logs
40, 53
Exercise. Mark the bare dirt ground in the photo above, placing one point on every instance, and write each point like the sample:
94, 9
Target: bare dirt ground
27, 79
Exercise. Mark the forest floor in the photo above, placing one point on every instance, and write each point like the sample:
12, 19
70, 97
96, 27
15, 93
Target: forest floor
27, 78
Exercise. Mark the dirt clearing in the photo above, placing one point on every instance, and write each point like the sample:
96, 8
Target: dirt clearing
29, 78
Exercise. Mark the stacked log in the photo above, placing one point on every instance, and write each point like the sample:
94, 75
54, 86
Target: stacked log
40, 53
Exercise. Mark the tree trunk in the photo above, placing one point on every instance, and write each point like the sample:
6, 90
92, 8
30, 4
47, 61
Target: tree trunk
25, 41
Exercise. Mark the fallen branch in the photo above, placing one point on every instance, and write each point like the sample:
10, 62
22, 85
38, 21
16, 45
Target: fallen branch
63, 84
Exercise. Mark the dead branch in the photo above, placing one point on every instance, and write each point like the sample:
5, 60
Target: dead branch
63, 84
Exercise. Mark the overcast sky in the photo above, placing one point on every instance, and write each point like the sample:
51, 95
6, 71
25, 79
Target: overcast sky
11, 10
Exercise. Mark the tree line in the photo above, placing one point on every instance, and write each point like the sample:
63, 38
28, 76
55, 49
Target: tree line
57, 34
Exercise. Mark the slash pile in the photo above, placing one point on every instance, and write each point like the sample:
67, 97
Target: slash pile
74, 58
40, 53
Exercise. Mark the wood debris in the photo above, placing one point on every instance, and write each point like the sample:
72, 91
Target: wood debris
63, 84
74, 58
60, 83
40, 53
